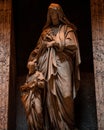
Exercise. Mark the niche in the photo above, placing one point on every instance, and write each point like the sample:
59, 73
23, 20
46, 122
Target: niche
29, 18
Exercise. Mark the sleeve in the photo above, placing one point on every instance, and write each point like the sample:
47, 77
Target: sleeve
70, 40
72, 45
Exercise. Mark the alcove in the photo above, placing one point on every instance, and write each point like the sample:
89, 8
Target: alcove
29, 18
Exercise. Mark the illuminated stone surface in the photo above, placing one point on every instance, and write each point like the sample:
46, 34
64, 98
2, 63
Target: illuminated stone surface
5, 26
97, 15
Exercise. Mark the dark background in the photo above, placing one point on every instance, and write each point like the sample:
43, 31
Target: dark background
29, 18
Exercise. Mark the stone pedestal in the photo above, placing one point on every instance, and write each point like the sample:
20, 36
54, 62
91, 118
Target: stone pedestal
97, 19
5, 34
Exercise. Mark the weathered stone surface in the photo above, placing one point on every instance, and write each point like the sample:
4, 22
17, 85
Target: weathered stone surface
5, 28
97, 16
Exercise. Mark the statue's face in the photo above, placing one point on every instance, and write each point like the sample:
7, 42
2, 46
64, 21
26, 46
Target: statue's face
54, 16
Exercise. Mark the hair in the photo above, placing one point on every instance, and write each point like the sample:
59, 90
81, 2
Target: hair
61, 15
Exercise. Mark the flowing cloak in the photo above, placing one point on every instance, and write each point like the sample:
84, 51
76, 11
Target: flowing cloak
60, 67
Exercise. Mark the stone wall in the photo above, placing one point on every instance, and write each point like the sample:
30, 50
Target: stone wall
5, 31
97, 16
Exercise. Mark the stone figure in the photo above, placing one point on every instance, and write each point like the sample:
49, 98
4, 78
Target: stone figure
54, 75
32, 100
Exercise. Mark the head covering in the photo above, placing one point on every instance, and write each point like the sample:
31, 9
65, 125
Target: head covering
54, 6
61, 16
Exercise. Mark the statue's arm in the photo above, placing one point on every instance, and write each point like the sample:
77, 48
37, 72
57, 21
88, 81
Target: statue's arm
32, 60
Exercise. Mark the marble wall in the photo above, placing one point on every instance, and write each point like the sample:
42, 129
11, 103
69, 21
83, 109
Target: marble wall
97, 19
5, 29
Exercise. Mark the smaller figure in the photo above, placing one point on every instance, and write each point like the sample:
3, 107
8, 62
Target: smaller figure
31, 96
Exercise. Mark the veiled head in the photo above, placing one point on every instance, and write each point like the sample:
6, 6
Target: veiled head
54, 6
56, 16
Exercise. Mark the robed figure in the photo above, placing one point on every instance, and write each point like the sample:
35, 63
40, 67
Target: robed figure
54, 76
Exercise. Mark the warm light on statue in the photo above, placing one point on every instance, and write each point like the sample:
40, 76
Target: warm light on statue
53, 79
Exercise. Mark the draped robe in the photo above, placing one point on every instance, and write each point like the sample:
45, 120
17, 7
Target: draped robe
59, 64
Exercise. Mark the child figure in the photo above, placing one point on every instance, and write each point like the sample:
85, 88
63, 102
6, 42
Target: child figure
31, 96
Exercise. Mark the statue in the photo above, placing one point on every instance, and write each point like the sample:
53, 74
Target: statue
53, 79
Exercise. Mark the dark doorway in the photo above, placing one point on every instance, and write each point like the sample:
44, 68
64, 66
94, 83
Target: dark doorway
29, 18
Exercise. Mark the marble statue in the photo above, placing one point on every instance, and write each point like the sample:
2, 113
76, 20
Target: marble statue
54, 75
